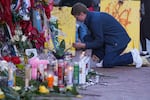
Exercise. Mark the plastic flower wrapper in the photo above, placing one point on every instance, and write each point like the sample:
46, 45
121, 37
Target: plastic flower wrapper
4, 66
6, 50
54, 21
49, 56
5, 45
59, 44
24, 10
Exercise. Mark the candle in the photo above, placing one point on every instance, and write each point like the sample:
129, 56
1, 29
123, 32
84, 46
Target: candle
28, 72
70, 75
26, 83
34, 73
60, 72
55, 80
34, 64
76, 73
82, 54
10, 77
41, 70
27, 75
82, 74
50, 80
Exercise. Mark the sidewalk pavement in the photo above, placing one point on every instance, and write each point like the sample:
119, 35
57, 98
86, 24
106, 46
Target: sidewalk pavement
121, 83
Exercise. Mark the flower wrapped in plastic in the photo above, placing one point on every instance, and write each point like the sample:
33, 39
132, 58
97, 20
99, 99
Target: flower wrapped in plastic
58, 43
4, 67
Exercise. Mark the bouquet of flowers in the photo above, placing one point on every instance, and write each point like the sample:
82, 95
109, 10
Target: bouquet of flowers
21, 41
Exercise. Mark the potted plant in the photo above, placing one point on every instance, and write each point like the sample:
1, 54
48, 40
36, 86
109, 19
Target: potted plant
59, 50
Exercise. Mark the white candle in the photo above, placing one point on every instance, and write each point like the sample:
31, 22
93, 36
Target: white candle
55, 80
82, 54
82, 74
28, 72
26, 83
70, 75
41, 69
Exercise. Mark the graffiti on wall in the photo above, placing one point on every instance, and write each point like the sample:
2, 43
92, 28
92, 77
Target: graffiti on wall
124, 11
115, 10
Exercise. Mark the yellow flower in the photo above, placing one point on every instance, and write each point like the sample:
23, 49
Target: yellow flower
43, 89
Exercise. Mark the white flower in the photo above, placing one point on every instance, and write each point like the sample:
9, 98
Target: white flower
53, 19
16, 38
12, 39
18, 31
24, 38
3, 65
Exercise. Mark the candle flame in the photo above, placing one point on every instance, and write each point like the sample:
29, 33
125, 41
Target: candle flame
70, 68
82, 54
50, 75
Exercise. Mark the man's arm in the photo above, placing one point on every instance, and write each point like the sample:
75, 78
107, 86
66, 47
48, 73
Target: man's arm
79, 45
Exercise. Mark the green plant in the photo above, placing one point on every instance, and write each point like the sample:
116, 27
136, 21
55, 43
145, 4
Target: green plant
59, 50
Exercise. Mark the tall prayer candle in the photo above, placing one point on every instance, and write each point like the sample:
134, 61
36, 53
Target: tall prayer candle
70, 75
60, 72
76, 73
50, 80
27, 75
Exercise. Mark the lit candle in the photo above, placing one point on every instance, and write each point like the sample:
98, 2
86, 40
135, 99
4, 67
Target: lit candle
82, 54
50, 80
55, 80
70, 75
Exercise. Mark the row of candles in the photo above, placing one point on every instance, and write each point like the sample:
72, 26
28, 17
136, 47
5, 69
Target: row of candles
59, 73
63, 72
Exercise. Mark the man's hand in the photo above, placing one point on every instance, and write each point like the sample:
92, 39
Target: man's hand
79, 45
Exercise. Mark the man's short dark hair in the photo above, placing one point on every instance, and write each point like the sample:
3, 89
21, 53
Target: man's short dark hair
78, 8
